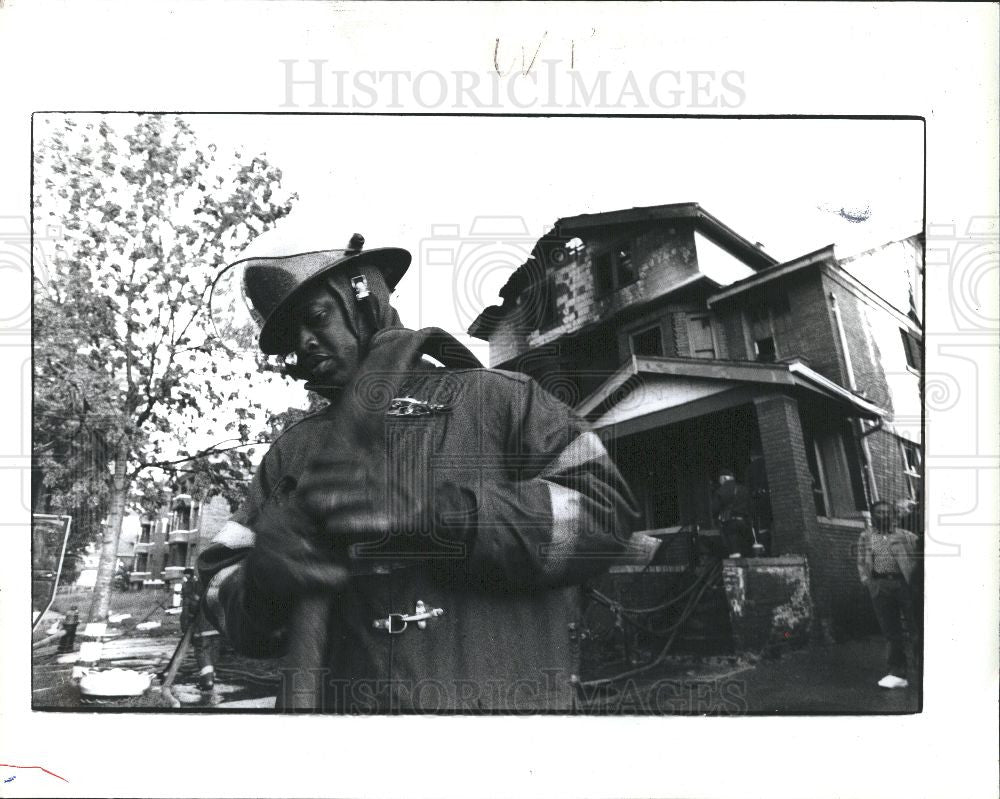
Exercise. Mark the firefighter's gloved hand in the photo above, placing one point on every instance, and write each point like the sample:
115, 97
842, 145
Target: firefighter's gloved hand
352, 504
287, 559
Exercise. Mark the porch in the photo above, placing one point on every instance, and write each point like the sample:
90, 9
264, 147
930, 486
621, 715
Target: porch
672, 424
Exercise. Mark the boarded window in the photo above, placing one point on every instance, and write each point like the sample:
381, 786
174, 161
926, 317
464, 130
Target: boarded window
614, 268
700, 336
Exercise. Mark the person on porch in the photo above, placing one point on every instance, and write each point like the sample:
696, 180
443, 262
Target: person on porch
731, 507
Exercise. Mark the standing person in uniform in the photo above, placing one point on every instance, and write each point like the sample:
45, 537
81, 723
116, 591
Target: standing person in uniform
421, 543
887, 566
731, 506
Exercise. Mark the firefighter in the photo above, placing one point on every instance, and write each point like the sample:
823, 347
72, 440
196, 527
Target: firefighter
421, 543
69, 624
731, 506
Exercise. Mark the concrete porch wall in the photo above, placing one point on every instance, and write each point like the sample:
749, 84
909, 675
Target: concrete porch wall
770, 601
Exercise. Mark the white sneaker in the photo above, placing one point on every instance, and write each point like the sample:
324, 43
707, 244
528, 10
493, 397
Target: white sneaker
892, 681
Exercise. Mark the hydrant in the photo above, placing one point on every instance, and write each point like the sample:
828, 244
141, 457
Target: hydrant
70, 622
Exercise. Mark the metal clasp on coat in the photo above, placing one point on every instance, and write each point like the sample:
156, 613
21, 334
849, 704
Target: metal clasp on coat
410, 406
396, 623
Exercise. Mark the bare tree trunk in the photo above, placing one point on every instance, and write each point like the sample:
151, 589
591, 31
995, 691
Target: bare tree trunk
107, 566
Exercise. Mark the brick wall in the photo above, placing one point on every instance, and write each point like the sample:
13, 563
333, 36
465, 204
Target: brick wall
835, 583
881, 374
865, 352
876, 354
507, 342
664, 255
788, 477
810, 332
806, 330
730, 324
829, 547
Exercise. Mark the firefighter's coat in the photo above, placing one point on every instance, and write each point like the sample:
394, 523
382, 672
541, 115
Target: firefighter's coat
527, 506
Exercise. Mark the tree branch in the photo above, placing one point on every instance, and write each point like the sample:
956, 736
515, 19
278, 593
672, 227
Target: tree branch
212, 450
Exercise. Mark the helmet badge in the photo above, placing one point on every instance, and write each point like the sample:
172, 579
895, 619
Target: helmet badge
360, 285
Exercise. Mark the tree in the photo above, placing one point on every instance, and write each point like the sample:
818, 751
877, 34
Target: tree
127, 362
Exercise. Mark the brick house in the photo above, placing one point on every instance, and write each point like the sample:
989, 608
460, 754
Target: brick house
690, 349
170, 540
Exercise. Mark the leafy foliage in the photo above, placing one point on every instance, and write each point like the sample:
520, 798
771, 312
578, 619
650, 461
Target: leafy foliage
133, 384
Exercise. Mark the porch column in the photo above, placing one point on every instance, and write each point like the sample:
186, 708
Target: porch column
788, 477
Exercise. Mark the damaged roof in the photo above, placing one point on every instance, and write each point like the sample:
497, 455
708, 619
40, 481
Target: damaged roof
569, 227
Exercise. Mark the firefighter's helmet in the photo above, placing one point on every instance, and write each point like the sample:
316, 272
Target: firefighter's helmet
276, 267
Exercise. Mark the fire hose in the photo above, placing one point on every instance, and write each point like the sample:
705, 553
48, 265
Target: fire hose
702, 584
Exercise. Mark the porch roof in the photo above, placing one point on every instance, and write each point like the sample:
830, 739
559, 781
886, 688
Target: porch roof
680, 388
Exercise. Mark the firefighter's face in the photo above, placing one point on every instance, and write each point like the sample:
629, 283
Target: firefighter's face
325, 344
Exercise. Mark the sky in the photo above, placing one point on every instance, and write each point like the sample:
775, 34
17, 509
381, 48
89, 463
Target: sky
469, 196
483, 189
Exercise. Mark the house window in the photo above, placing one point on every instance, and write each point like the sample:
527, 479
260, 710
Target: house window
835, 487
182, 518
614, 268
178, 554
818, 485
142, 562
647, 342
147, 530
603, 279
624, 268
911, 348
765, 351
912, 468
700, 336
